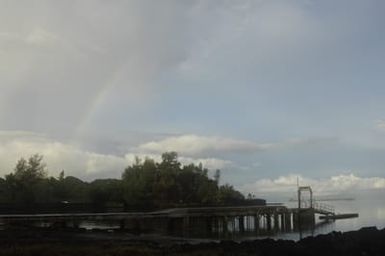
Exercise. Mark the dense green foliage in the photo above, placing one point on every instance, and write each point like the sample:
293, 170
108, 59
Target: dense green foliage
145, 185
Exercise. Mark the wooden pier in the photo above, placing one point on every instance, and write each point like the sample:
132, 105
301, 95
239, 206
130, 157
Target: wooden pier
206, 221
198, 222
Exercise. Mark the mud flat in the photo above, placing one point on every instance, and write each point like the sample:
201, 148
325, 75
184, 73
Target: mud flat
366, 241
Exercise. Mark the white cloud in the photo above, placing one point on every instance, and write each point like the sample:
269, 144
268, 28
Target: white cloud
90, 165
40, 37
58, 156
332, 185
191, 144
209, 163
76, 161
380, 125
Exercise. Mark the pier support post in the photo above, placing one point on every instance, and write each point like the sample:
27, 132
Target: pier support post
209, 225
268, 220
256, 223
186, 226
241, 224
296, 220
307, 217
287, 221
276, 221
224, 225
217, 224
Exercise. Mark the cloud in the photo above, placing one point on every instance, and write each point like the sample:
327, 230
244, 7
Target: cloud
380, 125
333, 185
94, 71
191, 144
88, 165
103, 63
41, 37
243, 38
210, 163
75, 160
62, 63
58, 156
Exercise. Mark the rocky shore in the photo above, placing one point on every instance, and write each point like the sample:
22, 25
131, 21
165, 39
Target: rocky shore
366, 241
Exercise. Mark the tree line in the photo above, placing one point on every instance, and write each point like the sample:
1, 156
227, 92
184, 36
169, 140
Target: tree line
144, 185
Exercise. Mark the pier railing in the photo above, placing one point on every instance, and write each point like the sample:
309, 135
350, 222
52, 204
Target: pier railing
323, 208
318, 207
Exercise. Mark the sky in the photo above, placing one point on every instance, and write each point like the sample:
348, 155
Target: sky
267, 91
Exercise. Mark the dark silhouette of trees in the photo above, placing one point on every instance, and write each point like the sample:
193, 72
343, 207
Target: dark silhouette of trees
169, 184
25, 184
102, 193
145, 185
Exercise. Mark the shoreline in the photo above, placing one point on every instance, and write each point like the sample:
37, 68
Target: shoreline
366, 241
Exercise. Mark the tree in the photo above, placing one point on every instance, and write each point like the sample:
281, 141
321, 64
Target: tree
138, 182
168, 184
103, 192
227, 195
26, 180
73, 189
145, 185
61, 175
32, 170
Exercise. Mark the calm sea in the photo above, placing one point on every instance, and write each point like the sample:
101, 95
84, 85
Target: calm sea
369, 206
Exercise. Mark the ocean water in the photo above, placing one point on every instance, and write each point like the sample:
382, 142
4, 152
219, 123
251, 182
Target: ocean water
369, 206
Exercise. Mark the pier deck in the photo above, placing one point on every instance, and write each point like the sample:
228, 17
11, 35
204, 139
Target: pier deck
184, 221
180, 220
